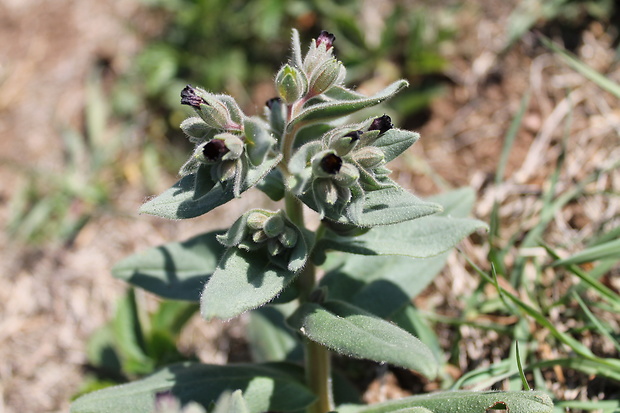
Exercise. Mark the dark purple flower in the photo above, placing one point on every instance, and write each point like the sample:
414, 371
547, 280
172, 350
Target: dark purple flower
190, 98
214, 150
331, 163
272, 102
355, 135
382, 124
327, 38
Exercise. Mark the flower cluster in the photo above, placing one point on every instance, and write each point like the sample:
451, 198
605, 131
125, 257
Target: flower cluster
221, 133
341, 166
273, 231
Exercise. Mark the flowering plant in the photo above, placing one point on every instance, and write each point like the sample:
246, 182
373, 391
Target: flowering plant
378, 245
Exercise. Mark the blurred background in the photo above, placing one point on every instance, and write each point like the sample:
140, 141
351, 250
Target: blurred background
89, 115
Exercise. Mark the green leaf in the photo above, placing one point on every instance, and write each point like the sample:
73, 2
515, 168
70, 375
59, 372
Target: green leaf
464, 402
352, 331
177, 270
339, 108
189, 199
420, 238
275, 387
381, 284
272, 185
244, 280
129, 336
384, 284
395, 141
270, 338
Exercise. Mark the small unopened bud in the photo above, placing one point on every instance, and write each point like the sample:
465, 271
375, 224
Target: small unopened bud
344, 144
256, 220
325, 38
326, 191
259, 236
291, 84
214, 112
288, 237
382, 124
369, 157
347, 175
214, 150
326, 75
234, 144
274, 225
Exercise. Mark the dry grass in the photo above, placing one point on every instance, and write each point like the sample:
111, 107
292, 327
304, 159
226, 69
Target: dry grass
54, 297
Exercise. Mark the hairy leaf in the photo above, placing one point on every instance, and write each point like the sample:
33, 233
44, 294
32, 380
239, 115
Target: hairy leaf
354, 332
464, 402
177, 270
265, 387
338, 108
420, 238
244, 280
189, 198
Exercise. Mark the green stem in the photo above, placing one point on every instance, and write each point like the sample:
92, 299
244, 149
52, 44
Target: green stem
317, 357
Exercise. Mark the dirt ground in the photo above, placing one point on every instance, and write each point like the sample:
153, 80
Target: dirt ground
53, 297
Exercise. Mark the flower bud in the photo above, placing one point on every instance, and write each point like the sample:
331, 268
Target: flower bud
325, 191
324, 76
211, 110
344, 144
256, 220
291, 84
259, 236
347, 176
274, 225
382, 124
234, 144
288, 237
369, 157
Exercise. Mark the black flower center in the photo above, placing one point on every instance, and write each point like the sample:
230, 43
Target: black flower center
331, 163
214, 150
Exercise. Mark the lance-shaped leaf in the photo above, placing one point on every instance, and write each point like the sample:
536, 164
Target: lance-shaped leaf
177, 270
267, 387
384, 284
395, 141
197, 193
420, 238
244, 280
464, 402
354, 332
338, 108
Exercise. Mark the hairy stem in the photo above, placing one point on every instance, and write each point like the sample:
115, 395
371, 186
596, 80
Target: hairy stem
317, 357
